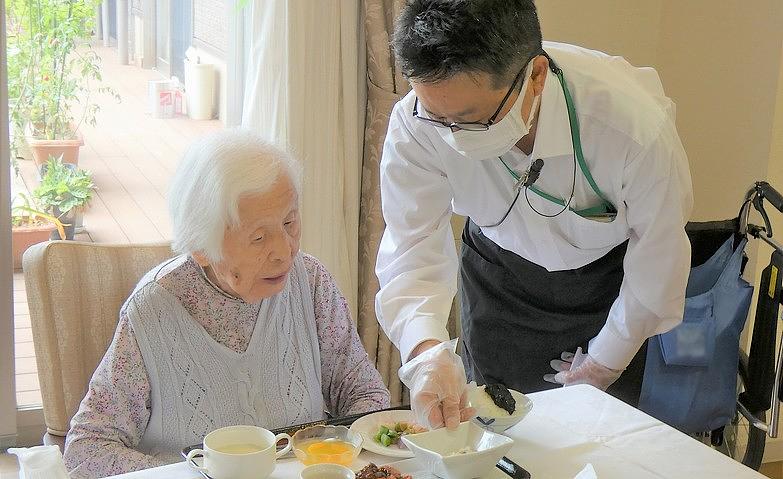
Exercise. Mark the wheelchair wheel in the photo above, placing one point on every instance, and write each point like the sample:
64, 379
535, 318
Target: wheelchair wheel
741, 440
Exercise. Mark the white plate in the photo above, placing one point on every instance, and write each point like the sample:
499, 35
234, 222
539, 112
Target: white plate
414, 469
368, 426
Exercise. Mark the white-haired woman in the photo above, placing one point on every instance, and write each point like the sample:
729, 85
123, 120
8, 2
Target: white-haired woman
241, 328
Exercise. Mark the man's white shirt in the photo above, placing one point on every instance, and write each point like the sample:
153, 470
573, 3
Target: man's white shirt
633, 152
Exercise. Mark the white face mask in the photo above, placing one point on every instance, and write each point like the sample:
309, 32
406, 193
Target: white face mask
500, 137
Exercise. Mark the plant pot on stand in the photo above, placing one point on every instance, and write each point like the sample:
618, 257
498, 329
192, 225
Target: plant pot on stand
68, 149
53, 81
78, 215
65, 191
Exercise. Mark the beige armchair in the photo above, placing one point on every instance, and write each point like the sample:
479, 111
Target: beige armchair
74, 293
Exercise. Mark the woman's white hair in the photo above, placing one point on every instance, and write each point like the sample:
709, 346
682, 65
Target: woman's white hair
214, 174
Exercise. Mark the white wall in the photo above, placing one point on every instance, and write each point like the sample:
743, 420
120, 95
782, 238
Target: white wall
721, 67
618, 27
718, 61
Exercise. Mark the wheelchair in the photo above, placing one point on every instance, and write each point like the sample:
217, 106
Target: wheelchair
760, 373
686, 390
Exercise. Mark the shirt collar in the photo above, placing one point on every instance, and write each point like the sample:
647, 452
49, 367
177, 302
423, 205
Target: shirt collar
553, 132
215, 287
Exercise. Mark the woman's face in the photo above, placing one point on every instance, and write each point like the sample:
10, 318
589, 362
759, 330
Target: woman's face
259, 252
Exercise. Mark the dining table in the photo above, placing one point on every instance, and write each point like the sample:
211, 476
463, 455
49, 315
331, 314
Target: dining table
566, 430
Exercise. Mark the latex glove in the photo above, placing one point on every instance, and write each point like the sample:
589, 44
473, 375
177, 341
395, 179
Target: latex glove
438, 385
581, 368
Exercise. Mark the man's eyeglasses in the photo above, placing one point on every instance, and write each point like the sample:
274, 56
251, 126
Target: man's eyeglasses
475, 125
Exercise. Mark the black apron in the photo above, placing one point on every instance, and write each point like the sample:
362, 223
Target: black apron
517, 316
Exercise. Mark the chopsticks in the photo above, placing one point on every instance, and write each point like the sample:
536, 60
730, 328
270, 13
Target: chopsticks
337, 421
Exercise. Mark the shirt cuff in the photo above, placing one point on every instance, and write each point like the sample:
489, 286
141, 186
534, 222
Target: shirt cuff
612, 350
418, 330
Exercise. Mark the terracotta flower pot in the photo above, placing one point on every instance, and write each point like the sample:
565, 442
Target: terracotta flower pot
22, 237
43, 149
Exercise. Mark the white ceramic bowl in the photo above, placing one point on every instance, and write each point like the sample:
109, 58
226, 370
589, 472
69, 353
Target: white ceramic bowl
437, 451
503, 422
326, 471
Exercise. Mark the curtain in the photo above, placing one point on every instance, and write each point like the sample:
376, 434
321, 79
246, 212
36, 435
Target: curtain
304, 84
302, 91
385, 86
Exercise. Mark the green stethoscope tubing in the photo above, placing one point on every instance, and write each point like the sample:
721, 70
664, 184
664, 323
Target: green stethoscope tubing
606, 206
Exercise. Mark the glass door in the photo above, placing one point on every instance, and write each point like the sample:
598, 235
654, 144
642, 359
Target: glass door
130, 150
7, 398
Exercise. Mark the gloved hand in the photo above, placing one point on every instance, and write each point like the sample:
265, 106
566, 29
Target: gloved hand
581, 368
438, 385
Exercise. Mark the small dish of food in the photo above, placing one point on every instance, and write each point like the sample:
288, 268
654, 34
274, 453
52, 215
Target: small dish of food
498, 408
411, 468
464, 453
382, 431
371, 471
326, 471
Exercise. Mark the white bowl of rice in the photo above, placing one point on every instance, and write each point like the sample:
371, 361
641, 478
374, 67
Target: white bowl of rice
463, 453
496, 419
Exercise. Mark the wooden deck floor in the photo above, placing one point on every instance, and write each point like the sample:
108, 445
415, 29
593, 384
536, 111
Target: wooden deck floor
131, 156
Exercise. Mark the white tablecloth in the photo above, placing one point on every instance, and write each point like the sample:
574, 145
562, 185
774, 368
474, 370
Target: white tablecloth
568, 428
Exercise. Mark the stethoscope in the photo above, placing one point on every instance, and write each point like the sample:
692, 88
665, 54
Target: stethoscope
525, 181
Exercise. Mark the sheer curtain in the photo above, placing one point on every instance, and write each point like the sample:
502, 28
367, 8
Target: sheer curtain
307, 87
303, 91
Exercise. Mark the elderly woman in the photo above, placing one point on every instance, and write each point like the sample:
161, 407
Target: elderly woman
241, 328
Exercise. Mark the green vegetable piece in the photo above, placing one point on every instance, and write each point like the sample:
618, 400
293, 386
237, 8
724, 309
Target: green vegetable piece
386, 440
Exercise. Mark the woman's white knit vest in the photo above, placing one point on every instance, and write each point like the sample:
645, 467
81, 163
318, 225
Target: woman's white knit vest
198, 385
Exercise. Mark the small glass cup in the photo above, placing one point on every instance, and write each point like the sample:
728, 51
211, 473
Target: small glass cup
326, 444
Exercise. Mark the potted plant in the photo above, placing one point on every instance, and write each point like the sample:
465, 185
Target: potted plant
51, 68
29, 226
64, 191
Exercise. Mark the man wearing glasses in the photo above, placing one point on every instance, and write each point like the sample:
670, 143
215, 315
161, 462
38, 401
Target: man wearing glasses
568, 167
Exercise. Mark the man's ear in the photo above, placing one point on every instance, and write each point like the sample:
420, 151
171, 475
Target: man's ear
540, 71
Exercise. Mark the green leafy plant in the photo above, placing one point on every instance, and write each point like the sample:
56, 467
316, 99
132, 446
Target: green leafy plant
51, 67
25, 213
63, 188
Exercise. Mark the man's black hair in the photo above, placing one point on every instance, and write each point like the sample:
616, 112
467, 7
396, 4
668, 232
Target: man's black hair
436, 39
